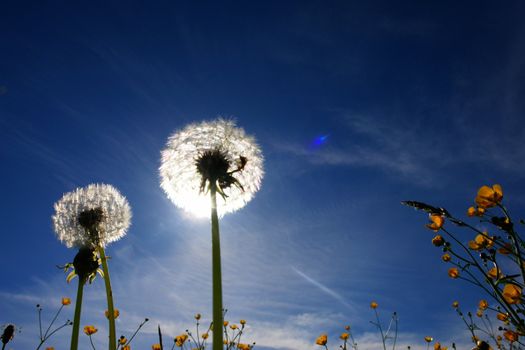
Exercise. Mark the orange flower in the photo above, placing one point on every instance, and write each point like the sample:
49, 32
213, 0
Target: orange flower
475, 211
453, 272
511, 336
495, 273
455, 305
489, 197
116, 313
481, 241
436, 222
242, 346
50, 348
347, 328
479, 313
438, 241
181, 339
502, 317
483, 304
122, 340
66, 301
512, 294
322, 340
243, 322
373, 305
90, 330
204, 336
428, 339
344, 336
225, 323
446, 258
155, 347
437, 346
126, 347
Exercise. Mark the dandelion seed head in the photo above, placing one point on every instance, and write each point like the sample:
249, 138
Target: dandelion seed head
182, 180
97, 204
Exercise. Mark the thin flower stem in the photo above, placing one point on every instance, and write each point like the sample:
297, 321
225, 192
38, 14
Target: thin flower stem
109, 296
53, 321
216, 271
53, 332
136, 331
91, 341
160, 338
515, 239
40, 321
78, 309
380, 329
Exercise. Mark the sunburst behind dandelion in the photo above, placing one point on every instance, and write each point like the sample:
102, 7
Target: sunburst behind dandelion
187, 152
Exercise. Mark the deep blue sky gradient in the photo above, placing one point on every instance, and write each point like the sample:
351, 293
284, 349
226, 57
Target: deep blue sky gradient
419, 100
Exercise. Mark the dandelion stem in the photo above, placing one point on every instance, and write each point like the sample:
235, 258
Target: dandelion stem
216, 268
109, 296
78, 309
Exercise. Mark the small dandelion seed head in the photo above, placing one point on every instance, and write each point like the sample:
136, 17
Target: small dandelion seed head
94, 215
213, 151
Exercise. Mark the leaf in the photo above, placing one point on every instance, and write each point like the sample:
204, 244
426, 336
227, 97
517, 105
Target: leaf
71, 275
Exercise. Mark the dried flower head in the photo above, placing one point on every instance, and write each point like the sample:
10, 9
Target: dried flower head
215, 152
94, 215
8, 333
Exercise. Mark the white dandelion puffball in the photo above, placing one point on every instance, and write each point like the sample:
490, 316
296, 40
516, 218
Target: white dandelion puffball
115, 210
181, 180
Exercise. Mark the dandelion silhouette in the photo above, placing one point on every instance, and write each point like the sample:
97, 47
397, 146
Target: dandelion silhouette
89, 219
204, 159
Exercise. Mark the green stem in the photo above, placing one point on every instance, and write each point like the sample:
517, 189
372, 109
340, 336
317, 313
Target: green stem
109, 296
78, 309
216, 272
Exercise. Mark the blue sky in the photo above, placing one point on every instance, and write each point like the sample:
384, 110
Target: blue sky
415, 100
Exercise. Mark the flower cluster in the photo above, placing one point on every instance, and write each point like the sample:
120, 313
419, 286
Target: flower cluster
493, 259
233, 333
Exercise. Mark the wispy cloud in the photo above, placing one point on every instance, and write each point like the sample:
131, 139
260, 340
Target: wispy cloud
322, 287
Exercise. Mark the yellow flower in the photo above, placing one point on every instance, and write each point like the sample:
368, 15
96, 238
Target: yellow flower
489, 197
243, 322
494, 273
483, 304
436, 222
446, 258
475, 211
155, 347
116, 313
322, 340
205, 336
66, 301
242, 346
428, 339
373, 305
181, 339
481, 241
50, 348
438, 241
437, 346
122, 340
502, 317
453, 272
226, 323
512, 294
344, 336
233, 326
455, 305
90, 330
197, 316
511, 336
126, 347
479, 313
